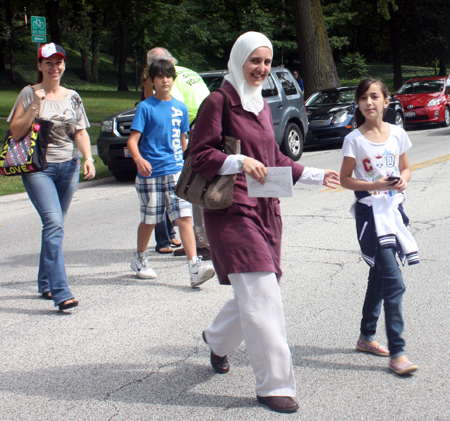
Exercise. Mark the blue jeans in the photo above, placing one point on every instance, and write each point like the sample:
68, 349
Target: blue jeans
164, 233
51, 192
385, 283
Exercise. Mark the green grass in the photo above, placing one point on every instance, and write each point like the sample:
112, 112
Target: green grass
12, 185
385, 73
94, 131
98, 104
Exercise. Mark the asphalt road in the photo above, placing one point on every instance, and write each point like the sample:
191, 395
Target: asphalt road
132, 350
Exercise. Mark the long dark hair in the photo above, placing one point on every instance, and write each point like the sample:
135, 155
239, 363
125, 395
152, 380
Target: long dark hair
40, 77
362, 88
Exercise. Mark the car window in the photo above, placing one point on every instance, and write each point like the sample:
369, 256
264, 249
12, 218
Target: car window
331, 98
422, 87
213, 82
269, 88
347, 97
287, 82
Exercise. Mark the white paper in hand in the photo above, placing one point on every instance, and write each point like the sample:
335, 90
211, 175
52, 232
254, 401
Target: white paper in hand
277, 183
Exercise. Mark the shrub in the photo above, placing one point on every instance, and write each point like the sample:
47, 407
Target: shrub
354, 66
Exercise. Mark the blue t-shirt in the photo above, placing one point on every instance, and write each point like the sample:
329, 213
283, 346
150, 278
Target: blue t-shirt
161, 124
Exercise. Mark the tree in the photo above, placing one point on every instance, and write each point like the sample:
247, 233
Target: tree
52, 8
318, 67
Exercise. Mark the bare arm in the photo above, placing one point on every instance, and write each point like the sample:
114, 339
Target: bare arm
143, 166
405, 173
83, 143
351, 183
21, 122
183, 141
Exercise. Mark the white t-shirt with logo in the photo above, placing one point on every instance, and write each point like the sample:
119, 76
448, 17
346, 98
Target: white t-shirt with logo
376, 160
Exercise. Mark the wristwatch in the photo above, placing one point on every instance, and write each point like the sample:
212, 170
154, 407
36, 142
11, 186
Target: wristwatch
240, 161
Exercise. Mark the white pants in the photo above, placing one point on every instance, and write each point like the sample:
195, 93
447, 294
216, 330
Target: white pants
256, 315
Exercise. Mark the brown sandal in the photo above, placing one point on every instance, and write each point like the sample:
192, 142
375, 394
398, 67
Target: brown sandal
47, 295
165, 250
175, 242
68, 304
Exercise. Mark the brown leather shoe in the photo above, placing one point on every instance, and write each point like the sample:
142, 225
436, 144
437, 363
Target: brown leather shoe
219, 364
283, 404
205, 253
179, 252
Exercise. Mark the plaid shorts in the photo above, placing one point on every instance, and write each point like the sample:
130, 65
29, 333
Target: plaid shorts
156, 195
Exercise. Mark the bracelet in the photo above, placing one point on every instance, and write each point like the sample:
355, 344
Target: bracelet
90, 159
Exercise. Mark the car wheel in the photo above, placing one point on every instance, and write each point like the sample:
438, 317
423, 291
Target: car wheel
124, 175
292, 145
398, 119
446, 122
353, 124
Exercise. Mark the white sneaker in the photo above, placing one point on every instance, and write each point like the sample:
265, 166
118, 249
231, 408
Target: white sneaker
142, 268
199, 272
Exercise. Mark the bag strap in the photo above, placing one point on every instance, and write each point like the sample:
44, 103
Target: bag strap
37, 112
225, 115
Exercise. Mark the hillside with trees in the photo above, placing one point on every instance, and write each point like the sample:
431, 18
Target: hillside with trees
324, 39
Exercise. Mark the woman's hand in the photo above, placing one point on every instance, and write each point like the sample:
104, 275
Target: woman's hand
254, 169
89, 169
39, 95
331, 179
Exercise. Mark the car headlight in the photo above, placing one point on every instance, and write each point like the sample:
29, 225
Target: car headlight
434, 102
107, 125
339, 117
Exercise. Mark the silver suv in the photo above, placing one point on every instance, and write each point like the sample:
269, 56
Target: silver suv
280, 90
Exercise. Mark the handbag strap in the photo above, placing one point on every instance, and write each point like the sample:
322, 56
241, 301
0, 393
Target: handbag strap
37, 112
225, 115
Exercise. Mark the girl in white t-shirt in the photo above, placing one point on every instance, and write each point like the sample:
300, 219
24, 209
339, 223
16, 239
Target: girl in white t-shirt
376, 152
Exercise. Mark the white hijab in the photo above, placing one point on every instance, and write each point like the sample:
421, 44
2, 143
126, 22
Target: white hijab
251, 96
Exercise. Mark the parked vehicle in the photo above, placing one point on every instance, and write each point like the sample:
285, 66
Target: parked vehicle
279, 89
426, 100
331, 115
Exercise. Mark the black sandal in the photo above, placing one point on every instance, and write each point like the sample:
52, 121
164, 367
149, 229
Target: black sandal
47, 295
68, 304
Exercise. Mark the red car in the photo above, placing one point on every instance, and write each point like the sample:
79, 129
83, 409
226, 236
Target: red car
426, 100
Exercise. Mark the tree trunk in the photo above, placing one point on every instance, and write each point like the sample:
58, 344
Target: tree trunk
9, 15
2, 55
123, 57
95, 44
394, 23
318, 67
442, 68
12, 70
95, 58
86, 65
52, 8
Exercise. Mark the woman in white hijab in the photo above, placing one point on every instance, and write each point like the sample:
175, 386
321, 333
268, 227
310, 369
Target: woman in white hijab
246, 238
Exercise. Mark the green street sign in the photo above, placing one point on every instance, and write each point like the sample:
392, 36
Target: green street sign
40, 39
38, 26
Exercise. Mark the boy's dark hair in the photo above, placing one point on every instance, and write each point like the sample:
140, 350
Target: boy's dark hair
162, 68
362, 88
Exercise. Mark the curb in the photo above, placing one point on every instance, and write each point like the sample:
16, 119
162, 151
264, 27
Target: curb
15, 197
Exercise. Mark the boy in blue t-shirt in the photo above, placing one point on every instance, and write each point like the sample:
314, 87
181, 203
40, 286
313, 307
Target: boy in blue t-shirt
162, 121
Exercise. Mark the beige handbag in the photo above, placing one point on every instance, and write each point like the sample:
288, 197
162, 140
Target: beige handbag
218, 193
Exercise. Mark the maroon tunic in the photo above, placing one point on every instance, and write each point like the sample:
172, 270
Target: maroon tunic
247, 236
